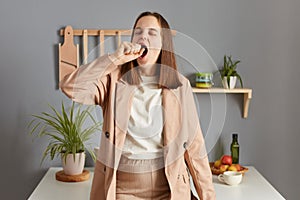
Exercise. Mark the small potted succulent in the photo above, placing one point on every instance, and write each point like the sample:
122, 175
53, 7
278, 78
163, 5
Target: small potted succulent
67, 137
229, 74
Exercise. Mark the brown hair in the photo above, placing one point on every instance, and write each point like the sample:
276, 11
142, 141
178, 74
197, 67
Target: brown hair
168, 75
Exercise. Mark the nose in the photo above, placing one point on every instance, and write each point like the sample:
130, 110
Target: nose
144, 35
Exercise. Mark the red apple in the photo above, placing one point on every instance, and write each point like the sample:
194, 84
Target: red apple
217, 164
223, 168
226, 160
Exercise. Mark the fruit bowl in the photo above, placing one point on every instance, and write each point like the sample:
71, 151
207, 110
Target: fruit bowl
217, 171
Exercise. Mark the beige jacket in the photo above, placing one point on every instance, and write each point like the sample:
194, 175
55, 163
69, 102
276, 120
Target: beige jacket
99, 83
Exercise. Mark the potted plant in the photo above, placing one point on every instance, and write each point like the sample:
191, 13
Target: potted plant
229, 74
67, 136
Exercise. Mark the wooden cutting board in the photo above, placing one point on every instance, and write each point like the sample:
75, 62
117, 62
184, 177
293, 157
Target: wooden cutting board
68, 54
61, 176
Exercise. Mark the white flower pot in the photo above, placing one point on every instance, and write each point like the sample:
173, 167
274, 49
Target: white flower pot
72, 167
232, 82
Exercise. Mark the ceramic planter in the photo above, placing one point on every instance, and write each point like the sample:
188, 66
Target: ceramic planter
232, 82
72, 167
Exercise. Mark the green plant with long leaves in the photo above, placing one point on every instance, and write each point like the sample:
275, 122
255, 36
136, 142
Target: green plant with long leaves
229, 69
65, 130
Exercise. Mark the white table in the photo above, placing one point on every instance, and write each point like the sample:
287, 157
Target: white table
253, 186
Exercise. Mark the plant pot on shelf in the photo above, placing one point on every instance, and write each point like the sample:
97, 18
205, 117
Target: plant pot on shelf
231, 81
229, 70
73, 164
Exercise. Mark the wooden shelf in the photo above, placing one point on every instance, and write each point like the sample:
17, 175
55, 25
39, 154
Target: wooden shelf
246, 91
106, 32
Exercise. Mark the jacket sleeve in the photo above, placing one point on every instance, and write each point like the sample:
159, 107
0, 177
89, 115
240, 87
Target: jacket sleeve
89, 83
196, 155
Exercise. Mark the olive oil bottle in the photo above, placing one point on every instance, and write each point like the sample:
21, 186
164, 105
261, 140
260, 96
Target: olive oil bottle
235, 148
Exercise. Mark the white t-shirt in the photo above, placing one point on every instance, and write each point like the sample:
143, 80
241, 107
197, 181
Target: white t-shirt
144, 134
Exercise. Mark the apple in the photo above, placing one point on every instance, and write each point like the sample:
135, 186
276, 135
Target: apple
217, 164
226, 160
238, 167
232, 168
223, 168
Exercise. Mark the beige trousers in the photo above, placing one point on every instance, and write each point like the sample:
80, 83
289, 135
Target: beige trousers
142, 179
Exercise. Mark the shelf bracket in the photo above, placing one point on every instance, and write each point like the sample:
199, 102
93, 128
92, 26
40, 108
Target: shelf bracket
247, 98
247, 93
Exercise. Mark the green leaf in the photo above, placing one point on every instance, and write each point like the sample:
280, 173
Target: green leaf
240, 79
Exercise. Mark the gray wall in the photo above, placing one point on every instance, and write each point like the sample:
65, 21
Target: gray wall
264, 34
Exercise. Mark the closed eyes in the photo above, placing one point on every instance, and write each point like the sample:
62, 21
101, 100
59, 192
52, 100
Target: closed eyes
151, 31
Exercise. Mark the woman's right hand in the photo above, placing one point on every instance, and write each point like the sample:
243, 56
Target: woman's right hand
126, 52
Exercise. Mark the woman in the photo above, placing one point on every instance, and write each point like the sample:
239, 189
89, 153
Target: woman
152, 141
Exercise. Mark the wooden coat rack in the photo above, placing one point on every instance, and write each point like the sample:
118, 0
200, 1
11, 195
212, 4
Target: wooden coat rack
69, 52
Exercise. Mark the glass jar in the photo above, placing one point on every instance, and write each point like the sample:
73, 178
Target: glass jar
204, 80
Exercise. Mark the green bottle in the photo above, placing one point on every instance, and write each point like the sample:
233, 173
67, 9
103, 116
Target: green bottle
235, 147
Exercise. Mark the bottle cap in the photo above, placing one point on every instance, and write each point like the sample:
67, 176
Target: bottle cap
234, 135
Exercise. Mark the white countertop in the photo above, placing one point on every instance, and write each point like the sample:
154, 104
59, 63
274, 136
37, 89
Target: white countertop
253, 186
